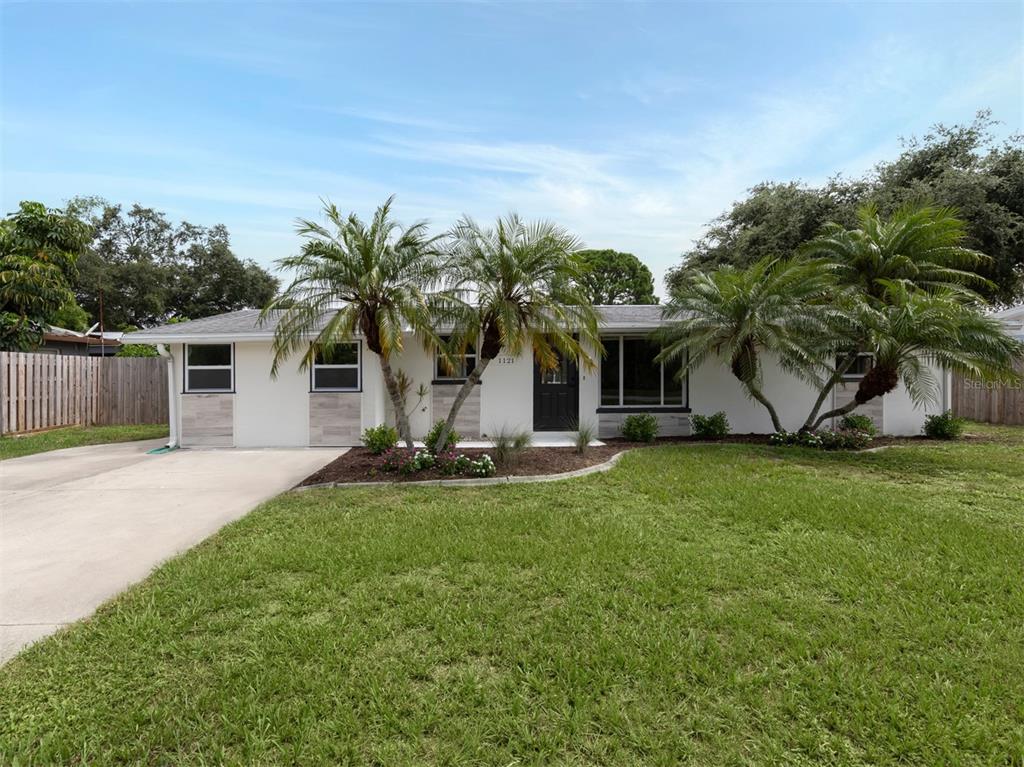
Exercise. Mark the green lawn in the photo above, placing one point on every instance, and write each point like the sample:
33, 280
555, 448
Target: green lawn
76, 436
725, 605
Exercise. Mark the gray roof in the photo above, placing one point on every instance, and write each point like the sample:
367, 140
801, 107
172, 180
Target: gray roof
245, 325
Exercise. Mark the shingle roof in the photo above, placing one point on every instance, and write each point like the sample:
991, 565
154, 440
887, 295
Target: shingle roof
245, 325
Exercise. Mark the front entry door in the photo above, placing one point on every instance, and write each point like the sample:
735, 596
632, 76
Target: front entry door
556, 396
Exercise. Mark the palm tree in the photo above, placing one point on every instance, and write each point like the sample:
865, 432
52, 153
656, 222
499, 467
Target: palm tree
919, 246
374, 279
912, 330
518, 287
779, 307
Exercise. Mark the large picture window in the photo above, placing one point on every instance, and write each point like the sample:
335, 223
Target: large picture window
209, 368
459, 370
630, 376
338, 369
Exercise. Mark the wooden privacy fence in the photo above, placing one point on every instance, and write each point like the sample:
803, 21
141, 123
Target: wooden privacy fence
994, 403
43, 391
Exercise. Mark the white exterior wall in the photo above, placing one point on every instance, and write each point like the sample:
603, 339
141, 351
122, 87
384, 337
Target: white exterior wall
713, 387
275, 413
901, 417
269, 412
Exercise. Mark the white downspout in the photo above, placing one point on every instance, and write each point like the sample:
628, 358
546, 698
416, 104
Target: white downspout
172, 395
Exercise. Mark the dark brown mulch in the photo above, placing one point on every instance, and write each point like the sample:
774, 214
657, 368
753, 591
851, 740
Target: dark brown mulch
360, 465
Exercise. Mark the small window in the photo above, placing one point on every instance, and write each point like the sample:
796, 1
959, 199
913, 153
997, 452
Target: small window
209, 367
461, 368
864, 362
630, 376
337, 369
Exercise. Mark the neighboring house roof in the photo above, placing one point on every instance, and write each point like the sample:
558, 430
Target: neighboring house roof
245, 325
1013, 318
66, 336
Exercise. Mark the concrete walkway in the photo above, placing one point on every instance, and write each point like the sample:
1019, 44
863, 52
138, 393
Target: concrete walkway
77, 526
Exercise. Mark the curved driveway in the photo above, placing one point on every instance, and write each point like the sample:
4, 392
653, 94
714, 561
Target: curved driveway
77, 526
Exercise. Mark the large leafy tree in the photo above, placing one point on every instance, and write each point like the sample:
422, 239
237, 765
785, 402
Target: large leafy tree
148, 270
372, 278
962, 166
613, 277
519, 289
39, 249
781, 308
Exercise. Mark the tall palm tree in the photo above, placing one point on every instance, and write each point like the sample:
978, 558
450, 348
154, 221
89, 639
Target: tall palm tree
911, 330
372, 278
778, 307
518, 287
919, 246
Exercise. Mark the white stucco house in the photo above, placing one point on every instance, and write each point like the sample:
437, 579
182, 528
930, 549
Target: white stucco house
222, 393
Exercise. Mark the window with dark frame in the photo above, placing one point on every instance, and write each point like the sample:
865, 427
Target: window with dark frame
460, 369
864, 362
209, 368
631, 378
337, 369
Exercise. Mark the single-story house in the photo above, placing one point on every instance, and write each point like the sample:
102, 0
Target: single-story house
222, 393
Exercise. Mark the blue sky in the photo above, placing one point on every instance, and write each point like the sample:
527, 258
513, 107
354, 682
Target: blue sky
632, 124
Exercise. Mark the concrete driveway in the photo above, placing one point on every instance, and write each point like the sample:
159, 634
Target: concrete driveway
77, 526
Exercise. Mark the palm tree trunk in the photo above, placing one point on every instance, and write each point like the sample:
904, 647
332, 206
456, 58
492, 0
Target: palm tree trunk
395, 392
877, 382
757, 394
464, 391
837, 376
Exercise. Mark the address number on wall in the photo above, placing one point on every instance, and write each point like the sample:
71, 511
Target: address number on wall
505, 360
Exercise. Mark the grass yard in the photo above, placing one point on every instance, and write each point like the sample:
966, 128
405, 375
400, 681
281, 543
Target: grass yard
76, 436
717, 605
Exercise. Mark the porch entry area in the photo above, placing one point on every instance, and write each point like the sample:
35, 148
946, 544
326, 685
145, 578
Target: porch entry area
556, 396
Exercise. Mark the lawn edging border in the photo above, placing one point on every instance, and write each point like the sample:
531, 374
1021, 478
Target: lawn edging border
479, 481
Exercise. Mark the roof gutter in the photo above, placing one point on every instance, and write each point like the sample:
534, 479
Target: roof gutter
172, 400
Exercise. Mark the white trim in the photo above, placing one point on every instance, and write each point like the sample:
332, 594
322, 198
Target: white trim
187, 367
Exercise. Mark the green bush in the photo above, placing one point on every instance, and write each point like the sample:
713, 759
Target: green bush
858, 422
711, 426
944, 426
640, 427
509, 446
435, 432
841, 439
380, 439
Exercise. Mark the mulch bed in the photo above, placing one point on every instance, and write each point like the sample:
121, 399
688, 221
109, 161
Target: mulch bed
360, 465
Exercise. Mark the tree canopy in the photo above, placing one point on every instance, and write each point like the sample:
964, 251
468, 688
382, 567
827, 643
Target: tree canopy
151, 270
613, 277
960, 167
39, 250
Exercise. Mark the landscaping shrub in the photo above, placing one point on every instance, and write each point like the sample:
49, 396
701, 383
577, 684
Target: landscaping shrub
858, 422
482, 467
711, 426
379, 439
841, 439
509, 446
398, 460
450, 464
640, 427
944, 426
435, 432
585, 433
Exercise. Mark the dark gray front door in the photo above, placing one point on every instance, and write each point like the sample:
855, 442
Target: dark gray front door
556, 396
